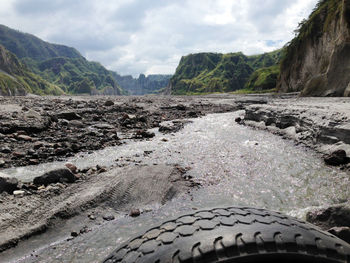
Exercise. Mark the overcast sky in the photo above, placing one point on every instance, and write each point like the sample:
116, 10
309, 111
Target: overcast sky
150, 36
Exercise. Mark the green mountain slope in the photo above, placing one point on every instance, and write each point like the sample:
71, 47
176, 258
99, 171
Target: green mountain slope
76, 75
17, 79
60, 65
214, 72
27, 45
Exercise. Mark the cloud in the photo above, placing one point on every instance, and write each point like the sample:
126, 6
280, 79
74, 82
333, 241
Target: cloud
148, 36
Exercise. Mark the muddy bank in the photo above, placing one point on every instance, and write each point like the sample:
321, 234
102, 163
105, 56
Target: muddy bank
120, 190
320, 123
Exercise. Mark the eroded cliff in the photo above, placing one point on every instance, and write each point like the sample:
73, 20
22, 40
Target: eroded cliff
317, 60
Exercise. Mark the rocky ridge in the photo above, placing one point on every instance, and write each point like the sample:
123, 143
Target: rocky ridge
316, 61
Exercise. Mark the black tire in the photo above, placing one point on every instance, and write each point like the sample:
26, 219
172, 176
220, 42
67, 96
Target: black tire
233, 234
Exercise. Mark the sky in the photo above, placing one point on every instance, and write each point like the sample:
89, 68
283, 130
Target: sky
150, 36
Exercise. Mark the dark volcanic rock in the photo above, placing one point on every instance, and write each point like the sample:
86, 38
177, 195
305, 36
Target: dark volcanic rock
238, 120
333, 216
56, 176
8, 184
144, 134
336, 158
341, 232
109, 103
68, 115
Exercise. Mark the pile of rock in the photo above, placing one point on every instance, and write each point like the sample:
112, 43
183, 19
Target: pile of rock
334, 219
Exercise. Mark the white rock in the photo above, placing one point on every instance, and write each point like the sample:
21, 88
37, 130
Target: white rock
18, 193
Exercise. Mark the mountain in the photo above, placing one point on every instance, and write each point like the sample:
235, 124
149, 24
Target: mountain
60, 65
152, 84
17, 79
215, 72
28, 46
76, 75
317, 61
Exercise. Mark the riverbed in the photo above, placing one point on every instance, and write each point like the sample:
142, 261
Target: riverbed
234, 164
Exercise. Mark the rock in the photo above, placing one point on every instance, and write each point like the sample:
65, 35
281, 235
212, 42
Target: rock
74, 234
72, 167
38, 145
19, 193
144, 134
8, 184
134, 212
25, 138
2, 163
33, 115
68, 115
91, 217
336, 158
6, 149
108, 217
341, 232
34, 161
18, 154
103, 126
109, 103
238, 120
180, 107
333, 216
76, 123
84, 230
56, 176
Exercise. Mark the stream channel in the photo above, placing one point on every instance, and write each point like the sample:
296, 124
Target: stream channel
236, 165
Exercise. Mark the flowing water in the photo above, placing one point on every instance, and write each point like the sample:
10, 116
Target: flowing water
236, 165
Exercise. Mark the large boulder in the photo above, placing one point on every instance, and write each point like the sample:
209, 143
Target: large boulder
63, 175
337, 158
8, 184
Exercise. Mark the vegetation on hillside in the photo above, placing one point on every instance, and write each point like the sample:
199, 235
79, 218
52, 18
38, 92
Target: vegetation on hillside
27, 45
16, 78
213, 72
62, 66
263, 79
75, 75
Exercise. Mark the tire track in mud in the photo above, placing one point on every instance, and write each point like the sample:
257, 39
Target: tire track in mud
120, 189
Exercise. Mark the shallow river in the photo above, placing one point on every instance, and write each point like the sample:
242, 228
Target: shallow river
236, 165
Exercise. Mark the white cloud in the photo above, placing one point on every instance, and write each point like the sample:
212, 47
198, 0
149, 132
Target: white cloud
149, 36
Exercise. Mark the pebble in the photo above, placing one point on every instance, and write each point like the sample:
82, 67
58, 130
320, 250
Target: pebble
134, 212
108, 217
71, 167
74, 234
25, 138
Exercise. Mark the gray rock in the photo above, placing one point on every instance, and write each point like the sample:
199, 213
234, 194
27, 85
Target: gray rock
8, 184
56, 176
